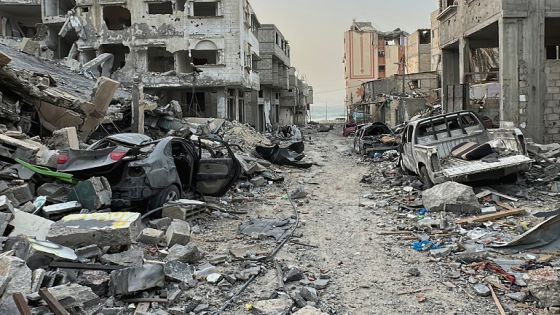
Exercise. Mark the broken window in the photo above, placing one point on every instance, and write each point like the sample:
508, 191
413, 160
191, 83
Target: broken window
205, 53
160, 8
552, 38
241, 106
119, 52
261, 94
57, 7
116, 17
205, 8
160, 60
180, 5
183, 62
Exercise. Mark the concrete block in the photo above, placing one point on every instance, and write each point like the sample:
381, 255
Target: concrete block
16, 269
38, 276
62, 208
161, 224
134, 279
150, 236
102, 229
41, 253
71, 296
276, 306
94, 193
131, 258
179, 232
179, 271
544, 285
55, 191
187, 254
4, 59
86, 252
29, 46
20, 194
65, 138
6, 205
5, 219
31, 225
96, 280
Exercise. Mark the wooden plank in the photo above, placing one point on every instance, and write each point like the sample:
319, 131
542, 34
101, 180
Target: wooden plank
21, 303
491, 217
4, 59
54, 304
497, 301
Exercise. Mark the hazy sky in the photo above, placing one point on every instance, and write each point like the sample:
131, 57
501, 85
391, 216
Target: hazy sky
315, 30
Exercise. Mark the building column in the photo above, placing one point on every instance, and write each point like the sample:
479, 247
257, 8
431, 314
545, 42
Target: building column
221, 104
509, 72
137, 123
449, 74
464, 60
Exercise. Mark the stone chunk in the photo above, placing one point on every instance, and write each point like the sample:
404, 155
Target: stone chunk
29, 46
96, 280
179, 232
31, 225
5, 219
518, 296
179, 271
20, 194
131, 258
451, 197
94, 193
441, 252
4, 59
309, 294
16, 269
272, 307
160, 224
71, 296
134, 279
544, 285
6, 205
41, 253
62, 208
65, 138
187, 254
294, 274
482, 289
90, 251
102, 229
150, 236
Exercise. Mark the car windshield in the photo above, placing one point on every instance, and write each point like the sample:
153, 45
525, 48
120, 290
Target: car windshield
446, 127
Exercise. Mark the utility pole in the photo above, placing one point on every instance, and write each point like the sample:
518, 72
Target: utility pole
326, 110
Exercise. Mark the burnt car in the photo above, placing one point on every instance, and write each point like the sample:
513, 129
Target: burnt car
152, 172
375, 138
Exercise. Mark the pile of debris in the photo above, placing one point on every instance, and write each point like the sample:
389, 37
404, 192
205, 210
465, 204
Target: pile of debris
503, 245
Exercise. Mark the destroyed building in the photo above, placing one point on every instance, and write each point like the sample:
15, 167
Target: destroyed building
500, 58
203, 54
418, 51
369, 55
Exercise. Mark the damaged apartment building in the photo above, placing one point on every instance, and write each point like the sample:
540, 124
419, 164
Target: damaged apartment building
501, 58
203, 54
370, 55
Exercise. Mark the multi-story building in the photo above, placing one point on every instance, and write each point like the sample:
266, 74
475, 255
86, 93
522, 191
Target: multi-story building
274, 78
295, 102
370, 55
204, 54
509, 44
418, 51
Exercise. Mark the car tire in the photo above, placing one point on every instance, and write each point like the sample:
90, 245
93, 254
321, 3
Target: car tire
425, 177
166, 195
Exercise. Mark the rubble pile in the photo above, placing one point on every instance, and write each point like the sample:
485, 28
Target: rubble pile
486, 240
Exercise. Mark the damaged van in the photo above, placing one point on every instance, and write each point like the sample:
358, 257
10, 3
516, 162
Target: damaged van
153, 172
458, 147
375, 138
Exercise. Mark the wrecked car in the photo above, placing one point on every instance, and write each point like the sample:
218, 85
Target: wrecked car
349, 129
289, 156
142, 170
457, 147
374, 138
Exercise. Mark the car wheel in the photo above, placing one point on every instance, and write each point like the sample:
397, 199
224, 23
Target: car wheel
166, 195
425, 177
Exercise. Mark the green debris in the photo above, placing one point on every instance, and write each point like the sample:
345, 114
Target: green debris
63, 177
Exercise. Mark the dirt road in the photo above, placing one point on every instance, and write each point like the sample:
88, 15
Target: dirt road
368, 271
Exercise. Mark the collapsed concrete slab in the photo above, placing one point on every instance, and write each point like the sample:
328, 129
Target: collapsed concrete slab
30, 225
102, 229
134, 279
544, 285
451, 197
41, 253
72, 296
20, 275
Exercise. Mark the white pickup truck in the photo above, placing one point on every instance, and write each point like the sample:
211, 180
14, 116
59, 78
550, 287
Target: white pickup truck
431, 148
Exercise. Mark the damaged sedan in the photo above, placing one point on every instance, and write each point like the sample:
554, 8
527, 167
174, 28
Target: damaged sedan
375, 138
153, 172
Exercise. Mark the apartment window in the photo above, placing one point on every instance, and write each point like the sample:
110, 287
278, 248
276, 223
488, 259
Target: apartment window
119, 52
160, 8
116, 18
160, 60
58, 7
551, 38
180, 5
261, 94
277, 96
205, 8
204, 57
381, 53
414, 84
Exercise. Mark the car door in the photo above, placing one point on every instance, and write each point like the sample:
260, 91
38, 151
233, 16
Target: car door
218, 169
407, 149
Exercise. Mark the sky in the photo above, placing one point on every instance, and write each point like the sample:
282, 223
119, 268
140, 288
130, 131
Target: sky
315, 30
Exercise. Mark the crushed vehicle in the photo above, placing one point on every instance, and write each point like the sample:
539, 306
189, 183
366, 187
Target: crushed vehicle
289, 156
375, 138
457, 147
141, 170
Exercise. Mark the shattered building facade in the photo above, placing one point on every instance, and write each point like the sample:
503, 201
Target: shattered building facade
508, 51
418, 51
203, 54
370, 55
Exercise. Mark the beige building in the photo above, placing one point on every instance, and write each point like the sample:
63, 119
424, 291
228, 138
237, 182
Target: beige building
370, 55
418, 52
